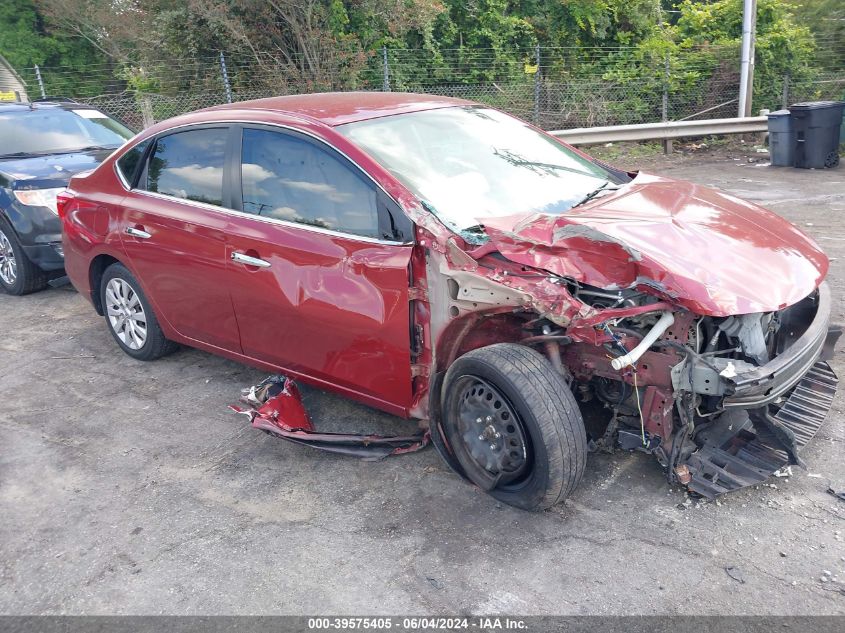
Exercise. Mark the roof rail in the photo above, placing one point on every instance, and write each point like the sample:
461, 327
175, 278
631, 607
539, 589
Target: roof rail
55, 100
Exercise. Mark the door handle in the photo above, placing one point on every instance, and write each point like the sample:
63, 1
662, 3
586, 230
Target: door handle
138, 233
249, 261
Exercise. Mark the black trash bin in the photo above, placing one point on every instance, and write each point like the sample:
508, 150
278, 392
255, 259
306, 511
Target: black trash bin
781, 139
816, 125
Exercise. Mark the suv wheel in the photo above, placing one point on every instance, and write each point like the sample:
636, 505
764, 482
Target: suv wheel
18, 275
514, 426
130, 317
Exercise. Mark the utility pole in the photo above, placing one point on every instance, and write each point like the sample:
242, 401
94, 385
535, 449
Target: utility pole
746, 81
664, 109
537, 86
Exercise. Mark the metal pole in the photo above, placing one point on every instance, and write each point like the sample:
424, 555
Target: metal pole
40, 81
225, 75
385, 85
751, 56
537, 86
664, 114
749, 17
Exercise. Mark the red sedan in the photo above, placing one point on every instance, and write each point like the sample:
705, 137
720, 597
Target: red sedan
441, 260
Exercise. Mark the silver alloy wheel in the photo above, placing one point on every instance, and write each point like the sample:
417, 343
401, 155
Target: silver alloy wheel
8, 263
126, 314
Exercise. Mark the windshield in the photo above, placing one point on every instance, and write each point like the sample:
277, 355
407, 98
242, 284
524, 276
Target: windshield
55, 131
471, 163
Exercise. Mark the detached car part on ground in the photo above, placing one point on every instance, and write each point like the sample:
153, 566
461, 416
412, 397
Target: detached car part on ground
443, 261
42, 145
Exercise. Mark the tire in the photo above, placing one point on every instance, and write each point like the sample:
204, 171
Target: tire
18, 275
130, 317
532, 426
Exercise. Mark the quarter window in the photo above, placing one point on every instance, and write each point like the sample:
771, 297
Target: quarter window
290, 178
189, 165
128, 163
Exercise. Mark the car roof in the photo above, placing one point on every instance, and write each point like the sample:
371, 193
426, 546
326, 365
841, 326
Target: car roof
337, 108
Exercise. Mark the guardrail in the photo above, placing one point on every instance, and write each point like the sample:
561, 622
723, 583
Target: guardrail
661, 131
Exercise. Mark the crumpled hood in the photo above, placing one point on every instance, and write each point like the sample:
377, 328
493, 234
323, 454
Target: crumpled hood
709, 252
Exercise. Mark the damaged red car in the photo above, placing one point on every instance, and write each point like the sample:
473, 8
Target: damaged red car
441, 260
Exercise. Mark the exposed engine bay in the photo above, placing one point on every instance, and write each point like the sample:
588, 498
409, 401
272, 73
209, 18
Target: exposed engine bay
722, 402
674, 384
719, 375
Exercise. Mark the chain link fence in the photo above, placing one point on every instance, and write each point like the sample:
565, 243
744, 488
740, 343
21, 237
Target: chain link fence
556, 88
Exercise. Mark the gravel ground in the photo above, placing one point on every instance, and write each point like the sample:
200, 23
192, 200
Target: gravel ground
129, 488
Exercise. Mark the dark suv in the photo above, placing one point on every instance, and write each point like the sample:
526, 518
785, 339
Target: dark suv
42, 145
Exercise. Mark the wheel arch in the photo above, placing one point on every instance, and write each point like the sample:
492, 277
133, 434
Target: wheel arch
475, 330
465, 333
16, 220
96, 270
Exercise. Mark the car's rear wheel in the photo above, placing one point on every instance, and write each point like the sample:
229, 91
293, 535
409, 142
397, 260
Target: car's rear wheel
130, 317
18, 275
513, 425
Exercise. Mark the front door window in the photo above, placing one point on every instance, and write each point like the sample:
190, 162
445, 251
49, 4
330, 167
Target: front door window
290, 178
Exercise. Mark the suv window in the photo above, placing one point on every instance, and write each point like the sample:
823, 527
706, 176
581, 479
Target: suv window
291, 178
189, 165
128, 163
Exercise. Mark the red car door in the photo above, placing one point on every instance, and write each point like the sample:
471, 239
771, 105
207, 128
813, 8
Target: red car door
175, 234
315, 287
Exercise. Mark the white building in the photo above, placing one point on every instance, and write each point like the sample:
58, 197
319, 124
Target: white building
12, 87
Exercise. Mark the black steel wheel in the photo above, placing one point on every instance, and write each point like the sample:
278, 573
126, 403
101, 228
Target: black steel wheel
491, 430
511, 423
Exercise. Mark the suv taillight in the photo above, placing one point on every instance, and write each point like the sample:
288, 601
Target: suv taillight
63, 201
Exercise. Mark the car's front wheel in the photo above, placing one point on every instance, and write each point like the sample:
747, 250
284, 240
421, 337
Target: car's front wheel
513, 425
18, 275
130, 317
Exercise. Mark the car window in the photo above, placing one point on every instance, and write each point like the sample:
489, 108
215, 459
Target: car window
189, 165
53, 130
128, 163
290, 178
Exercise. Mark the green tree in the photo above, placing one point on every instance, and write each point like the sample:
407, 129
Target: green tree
28, 37
826, 19
712, 32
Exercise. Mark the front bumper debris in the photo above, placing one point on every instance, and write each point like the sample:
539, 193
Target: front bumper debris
739, 450
766, 384
746, 386
275, 406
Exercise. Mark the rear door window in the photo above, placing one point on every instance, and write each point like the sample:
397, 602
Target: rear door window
290, 178
189, 165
